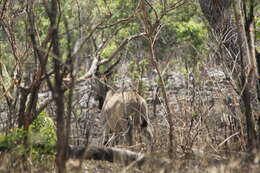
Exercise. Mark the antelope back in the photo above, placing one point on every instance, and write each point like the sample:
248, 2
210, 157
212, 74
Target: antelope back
119, 107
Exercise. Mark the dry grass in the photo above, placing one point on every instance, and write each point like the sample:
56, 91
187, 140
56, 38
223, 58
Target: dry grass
209, 136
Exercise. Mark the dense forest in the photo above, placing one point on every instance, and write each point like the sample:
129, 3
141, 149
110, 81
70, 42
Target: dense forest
129, 86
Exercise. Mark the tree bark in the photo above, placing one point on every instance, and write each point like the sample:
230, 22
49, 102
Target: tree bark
58, 91
247, 75
235, 52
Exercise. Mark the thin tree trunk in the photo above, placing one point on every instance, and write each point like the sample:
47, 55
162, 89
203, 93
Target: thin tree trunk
151, 37
58, 92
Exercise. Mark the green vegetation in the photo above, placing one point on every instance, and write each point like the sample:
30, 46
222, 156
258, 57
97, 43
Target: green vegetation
40, 143
52, 52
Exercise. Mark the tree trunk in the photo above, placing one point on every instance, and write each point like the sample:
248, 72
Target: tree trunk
248, 75
57, 90
235, 53
59, 100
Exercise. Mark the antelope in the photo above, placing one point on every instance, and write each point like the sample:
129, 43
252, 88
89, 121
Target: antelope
126, 111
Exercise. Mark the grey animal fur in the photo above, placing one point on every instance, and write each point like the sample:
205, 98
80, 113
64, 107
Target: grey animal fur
126, 111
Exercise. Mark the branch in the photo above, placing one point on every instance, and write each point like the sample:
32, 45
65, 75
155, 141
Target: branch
121, 46
42, 107
117, 22
96, 62
79, 44
120, 156
3, 9
172, 7
108, 72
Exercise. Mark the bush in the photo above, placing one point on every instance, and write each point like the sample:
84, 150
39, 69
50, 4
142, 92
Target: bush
38, 144
42, 137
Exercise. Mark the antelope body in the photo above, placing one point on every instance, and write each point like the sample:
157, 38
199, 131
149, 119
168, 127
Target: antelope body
124, 112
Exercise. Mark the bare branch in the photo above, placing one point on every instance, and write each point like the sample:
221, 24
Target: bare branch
3, 9
117, 22
43, 106
121, 46
79, 44
155, 12
174, 6
96, 62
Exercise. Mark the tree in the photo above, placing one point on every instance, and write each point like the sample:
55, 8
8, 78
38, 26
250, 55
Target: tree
237, 52
48, 44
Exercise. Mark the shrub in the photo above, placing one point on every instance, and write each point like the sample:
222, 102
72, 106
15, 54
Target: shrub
38, 144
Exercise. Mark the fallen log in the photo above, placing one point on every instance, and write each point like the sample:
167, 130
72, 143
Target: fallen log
121, 156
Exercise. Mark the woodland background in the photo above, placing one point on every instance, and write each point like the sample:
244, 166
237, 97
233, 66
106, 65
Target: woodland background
195, 62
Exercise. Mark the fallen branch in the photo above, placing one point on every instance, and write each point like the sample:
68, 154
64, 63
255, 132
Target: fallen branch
122, 156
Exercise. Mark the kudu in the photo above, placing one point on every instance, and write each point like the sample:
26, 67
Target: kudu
100, 89
126, 112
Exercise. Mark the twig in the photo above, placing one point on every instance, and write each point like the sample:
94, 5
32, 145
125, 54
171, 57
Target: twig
237, 133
